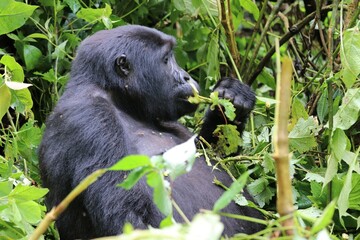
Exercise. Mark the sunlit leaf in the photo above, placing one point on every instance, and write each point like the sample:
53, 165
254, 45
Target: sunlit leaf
350, 56
160, 195
251, 7
348, 112
302, 136
13, 15
17, 73
134, 176
27, 193
130, 162
30, 211
5, 98
93, 15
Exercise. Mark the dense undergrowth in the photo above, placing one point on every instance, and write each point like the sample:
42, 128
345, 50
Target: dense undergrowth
38, 40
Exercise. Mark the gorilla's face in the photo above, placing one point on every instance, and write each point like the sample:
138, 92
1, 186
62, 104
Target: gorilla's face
153, 76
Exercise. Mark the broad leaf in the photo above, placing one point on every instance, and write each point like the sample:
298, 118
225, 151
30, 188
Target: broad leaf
5, 98
251, 7
130, 162
160, 195
27, 193
94, 15
13, 15
32, 56
17, 73
350, 56
348, 112
235, 188
302, 136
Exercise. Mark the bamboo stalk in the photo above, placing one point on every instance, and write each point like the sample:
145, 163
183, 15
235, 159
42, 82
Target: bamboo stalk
284, 202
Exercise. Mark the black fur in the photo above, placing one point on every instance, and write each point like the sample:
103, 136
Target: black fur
125, 94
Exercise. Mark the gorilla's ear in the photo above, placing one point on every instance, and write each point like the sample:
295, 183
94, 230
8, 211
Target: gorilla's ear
122, 65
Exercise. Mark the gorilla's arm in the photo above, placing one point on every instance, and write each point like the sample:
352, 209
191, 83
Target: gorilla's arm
243, 99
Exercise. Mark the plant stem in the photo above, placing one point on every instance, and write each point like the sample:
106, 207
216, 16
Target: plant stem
281, 144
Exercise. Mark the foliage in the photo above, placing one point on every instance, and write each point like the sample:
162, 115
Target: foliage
38, 40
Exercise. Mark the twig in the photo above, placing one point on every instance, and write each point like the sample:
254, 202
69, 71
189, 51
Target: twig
255, 32
272, 16
227, 23
295, 29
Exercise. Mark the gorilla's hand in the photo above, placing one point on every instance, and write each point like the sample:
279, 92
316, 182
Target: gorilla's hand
243, 99
240, 95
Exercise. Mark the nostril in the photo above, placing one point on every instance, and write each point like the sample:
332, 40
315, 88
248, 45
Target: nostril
186, 78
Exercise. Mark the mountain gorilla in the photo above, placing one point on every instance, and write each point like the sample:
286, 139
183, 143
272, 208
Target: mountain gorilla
124, 97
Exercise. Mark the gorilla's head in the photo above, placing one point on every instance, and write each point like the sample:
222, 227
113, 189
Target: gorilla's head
136, 65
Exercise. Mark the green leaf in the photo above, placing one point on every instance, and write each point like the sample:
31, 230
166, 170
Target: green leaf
302, 136
130, 162
348, 112
228, 139
27, 193
235, 188
331, 170
229, 108
338, 143
343, 202
38, 35
73, 4
5, 188
261, 191
251, 7
354, 197
161, 195
298, 110
21, 100
13, 15
30, 211
5, 99
59, 51
212, 57
325, 219
322, 107
94, 15
17, 73
134, 176
350, 56
32, 56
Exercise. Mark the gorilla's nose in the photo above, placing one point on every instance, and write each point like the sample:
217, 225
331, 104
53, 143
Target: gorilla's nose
186, 78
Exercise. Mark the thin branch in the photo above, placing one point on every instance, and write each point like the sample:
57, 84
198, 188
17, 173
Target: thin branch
295, 29
272, 16
227, 23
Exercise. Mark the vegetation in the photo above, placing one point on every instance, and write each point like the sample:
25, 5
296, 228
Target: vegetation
38, 40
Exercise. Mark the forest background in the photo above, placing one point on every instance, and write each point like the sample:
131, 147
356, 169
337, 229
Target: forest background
215, 38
